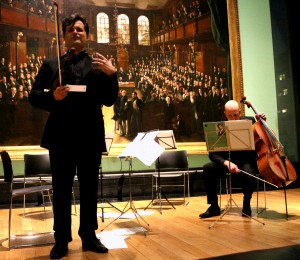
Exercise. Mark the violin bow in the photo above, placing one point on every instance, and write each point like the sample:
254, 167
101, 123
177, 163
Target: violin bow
57, 42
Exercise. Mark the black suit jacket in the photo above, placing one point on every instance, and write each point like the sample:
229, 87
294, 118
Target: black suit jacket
77, 120
5, 90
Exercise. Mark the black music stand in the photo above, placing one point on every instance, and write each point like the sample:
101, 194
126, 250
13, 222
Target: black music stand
108, 142
146, 150
166, 139
237, 135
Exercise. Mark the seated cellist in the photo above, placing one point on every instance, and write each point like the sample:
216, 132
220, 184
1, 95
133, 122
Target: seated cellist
220, 166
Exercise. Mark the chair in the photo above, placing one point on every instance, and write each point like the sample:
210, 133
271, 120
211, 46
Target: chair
29, 239
38, 172
172, 164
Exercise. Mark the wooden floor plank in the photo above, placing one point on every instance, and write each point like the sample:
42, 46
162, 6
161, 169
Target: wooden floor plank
176, 233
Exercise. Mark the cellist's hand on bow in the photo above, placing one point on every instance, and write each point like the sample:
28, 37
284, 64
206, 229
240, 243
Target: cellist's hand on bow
261, 116
233, 168
60, 93
101, 63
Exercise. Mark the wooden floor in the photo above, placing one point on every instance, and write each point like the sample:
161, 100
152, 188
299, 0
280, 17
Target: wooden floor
179, 233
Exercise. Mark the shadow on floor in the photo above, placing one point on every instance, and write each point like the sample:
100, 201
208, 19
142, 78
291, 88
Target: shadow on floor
289, 252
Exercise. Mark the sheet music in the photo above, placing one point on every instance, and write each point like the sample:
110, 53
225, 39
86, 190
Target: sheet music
240, 134
144, 147
166, 139
233, 135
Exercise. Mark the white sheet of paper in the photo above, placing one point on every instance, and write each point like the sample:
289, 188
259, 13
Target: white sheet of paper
77, 88
112, 240
144, 147
115, 239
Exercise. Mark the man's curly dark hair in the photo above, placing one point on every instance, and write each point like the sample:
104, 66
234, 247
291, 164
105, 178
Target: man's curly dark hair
71, 21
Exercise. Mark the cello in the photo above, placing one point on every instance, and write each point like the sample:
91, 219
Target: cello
272, 163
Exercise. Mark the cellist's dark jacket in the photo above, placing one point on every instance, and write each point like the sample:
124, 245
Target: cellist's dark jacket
77, 119
235, 156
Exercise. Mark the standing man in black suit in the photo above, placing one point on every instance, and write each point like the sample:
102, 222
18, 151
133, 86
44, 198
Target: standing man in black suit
169, 113
123, 110
5, 88
74, 133
136, 116
220, 165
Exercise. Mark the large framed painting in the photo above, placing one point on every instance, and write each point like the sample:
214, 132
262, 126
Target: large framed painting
171, 53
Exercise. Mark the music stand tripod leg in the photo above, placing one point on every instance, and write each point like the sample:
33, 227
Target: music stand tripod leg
229, 206
137, 215
131, 207
130, 203
162, 192
226, 210
123, 212
158, 193
102, 201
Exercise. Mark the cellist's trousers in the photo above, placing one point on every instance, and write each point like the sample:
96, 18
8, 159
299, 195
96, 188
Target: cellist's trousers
213, 172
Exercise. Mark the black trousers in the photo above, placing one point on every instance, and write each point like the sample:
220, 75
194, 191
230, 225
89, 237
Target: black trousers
65, 164
212, 172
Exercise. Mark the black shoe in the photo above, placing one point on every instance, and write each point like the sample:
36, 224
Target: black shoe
211, 212
246, 212
94, 245
59, 250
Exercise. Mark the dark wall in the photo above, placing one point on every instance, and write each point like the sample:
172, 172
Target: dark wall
293, 19
286, 53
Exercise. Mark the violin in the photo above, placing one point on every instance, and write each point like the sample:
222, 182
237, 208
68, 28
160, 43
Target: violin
272, 163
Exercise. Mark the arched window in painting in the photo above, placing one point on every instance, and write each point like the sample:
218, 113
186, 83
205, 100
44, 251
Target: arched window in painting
123, 29
143, 30
102, 28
